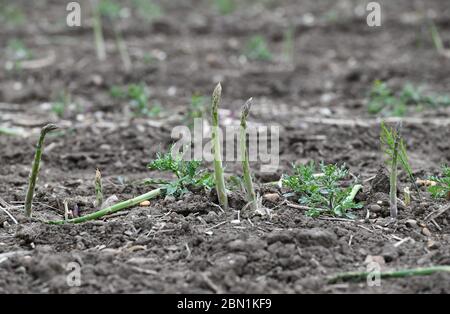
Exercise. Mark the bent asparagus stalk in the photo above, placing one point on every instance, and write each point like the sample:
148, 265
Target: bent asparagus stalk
35, 168
111, 209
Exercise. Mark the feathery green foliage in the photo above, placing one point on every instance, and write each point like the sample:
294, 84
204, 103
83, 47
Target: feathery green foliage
388, 138
323, 192
188, 174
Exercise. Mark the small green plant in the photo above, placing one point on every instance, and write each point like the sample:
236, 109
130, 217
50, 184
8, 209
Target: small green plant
442, 187
225, 7
148, 9
323, 192
197, 109
35, 168
59, 107
188, 174
11, 14
138, 96
395, 150
218, 168
16, 51
382, 100
257, 49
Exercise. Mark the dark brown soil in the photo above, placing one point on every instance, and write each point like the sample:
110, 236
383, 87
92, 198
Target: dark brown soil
188, 245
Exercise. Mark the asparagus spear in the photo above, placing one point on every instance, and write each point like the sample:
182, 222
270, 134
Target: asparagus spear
248, 183
35, 168
218, 169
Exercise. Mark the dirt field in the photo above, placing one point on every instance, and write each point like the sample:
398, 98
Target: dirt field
318, 98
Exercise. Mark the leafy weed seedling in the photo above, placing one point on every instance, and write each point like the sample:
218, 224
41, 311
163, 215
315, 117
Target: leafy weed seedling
16, 52
12, 15
148, 10
188, 174
257, 49
197, 109
138, 97
382, 100
442, 187
323, 192
60, 106
225, 7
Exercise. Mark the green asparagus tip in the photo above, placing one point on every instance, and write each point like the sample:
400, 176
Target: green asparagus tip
49, 128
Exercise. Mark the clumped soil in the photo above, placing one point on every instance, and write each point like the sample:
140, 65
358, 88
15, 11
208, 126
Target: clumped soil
188, 245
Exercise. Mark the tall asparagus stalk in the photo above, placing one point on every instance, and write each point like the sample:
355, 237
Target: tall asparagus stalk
248, 183
218, 169
35, 168
98, 32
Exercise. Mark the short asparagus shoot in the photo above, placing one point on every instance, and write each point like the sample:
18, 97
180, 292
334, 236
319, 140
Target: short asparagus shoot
35, 168
98, 189
218, 168
248, 182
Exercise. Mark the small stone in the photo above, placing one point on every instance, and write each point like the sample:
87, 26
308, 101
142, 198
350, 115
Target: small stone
426, 232
411, 223
169, 199
424, 205
432, 245
144, 204
272, 197
375, 208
